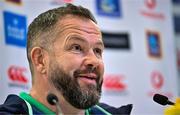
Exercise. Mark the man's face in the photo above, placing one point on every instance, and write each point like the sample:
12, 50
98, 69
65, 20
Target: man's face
76, 68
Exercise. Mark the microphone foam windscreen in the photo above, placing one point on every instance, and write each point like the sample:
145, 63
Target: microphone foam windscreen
51, 98
160, 99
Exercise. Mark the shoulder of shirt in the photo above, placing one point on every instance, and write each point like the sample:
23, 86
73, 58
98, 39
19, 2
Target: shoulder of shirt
13, 105
124, 110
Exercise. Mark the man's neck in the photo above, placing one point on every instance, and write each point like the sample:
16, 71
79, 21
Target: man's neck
65, 107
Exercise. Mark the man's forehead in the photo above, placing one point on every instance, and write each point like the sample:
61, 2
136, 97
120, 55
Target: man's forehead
79, 23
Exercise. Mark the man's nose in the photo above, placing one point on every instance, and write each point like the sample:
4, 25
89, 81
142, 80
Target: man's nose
91, 61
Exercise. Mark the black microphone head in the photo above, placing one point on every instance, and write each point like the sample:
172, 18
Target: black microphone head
52, 99
161, 99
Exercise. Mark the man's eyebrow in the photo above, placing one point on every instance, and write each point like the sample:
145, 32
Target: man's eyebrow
100, 43
74, 38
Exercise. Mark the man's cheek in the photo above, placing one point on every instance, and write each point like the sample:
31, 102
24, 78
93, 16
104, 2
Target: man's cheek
101, 72
101, 66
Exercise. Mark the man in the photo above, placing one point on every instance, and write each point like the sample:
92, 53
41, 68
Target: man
64, 50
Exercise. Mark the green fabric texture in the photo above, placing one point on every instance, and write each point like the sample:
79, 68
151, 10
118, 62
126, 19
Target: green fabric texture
37, 104
46, 110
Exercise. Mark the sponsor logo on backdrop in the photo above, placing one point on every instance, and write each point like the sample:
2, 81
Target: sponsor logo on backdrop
114, 83
157, 80
178, 58
157, 83
154, 44
15, 29
60, 2
150, 10
109, 8
116, 40
17, 77
151, 4
176, 19
18, 2
176, 2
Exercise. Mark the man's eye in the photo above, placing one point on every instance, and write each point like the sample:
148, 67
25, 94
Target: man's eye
76, 48
98, 52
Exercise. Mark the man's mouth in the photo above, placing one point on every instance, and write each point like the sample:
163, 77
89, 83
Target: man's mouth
89, 78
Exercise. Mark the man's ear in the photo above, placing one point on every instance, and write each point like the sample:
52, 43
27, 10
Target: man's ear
39, 60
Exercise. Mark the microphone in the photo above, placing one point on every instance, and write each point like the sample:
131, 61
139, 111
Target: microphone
53, 100
162, 100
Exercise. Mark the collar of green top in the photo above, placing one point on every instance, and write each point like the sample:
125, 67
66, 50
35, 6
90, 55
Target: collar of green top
35, 103
46, 110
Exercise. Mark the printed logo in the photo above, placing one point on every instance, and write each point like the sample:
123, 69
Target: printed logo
157, 82
114, 83
60, 2
150, 4
176, 19
116, 40
18, 2
154, 44
15, 29
17, 74
176, 2
178, 58
17, 77
108, 8
150, 10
